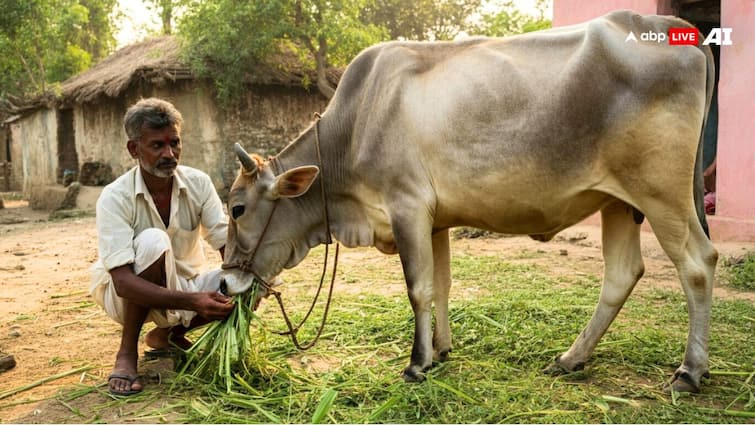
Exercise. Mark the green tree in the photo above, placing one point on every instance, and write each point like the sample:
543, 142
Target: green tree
97, 35
422, 19
225, 39
508, 20
46, 41
167, 10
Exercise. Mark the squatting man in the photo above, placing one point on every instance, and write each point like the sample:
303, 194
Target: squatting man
149, 221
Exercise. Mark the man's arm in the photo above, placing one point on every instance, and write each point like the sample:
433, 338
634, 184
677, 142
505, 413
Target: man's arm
210, 305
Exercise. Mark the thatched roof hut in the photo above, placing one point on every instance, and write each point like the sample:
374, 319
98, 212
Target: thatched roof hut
84, 125
157, 61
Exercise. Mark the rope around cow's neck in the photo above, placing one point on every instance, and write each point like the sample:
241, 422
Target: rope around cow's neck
294, 331
247, 265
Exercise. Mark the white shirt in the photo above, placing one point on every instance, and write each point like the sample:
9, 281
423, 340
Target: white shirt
125, 208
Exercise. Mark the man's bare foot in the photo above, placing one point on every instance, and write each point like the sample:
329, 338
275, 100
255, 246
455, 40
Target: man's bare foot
124, 380
165, 338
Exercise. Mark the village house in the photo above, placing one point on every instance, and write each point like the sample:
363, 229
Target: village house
80, 133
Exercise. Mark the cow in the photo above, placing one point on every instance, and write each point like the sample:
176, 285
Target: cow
528, 135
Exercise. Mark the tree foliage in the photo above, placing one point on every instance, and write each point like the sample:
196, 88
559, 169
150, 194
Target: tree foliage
46, 41
422, 19
225, 39
96, 36
508, 20
166, 10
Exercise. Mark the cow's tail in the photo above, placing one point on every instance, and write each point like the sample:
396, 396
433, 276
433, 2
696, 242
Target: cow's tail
698, 182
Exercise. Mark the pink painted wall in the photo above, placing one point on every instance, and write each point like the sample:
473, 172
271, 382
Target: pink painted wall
735, 167
735, 164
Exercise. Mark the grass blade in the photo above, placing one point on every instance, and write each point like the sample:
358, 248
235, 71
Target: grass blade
736, 413
383, 408
453, 390
613, 399
242, 401
23, 388
326, 402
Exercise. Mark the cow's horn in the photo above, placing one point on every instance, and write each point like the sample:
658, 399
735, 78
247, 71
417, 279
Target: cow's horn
250, 166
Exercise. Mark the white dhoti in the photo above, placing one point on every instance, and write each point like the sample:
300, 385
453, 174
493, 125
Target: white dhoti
149, 246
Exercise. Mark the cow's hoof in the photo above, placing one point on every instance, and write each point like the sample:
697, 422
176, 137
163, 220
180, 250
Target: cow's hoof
684, 382
557, 368
413, 374
442, 356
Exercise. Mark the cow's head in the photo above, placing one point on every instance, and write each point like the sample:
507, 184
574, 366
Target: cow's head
268, 230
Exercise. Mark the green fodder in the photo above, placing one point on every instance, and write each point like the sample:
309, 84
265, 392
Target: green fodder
221, 351
740, 271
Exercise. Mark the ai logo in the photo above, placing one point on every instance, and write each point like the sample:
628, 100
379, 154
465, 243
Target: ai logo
719, 36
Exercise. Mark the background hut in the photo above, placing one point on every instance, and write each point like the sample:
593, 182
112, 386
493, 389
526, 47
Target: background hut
80, 134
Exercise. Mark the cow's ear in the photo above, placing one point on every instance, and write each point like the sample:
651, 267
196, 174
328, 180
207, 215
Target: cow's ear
294, 182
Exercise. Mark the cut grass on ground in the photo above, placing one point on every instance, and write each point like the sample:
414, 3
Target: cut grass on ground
740, 271
516, 323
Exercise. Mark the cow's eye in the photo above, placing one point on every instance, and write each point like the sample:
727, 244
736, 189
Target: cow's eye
237, 211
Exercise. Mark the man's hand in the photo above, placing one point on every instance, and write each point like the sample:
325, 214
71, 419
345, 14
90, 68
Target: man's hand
212, 305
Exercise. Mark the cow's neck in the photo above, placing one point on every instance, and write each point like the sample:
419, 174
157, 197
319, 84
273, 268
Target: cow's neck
349, 222
333, 175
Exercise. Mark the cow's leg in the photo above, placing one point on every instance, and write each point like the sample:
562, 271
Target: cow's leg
623, 268
441, 288
413, 239
695, 259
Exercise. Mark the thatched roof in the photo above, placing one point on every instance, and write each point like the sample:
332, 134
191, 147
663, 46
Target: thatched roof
157, 61
154, 59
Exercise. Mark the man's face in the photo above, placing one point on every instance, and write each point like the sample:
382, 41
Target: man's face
157, 150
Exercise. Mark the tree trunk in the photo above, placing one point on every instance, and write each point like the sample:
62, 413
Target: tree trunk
321, 59
28, 69
320, 53
166, 14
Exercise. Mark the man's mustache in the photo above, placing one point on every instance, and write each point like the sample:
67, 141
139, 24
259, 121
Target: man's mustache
166, 162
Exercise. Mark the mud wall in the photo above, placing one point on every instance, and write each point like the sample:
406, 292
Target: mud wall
11, 167
99, 135
36, 134
265, 120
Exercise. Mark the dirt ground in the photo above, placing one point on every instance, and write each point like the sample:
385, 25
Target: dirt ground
51, 326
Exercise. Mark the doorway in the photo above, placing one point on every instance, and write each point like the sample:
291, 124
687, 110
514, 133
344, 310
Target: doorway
706, 15
68, 159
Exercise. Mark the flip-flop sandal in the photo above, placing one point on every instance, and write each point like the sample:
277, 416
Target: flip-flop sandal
130, 378
159, 353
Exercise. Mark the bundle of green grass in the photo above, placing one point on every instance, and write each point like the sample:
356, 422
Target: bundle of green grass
220, 352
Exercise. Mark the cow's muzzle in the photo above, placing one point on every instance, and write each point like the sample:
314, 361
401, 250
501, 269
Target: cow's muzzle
236, 281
